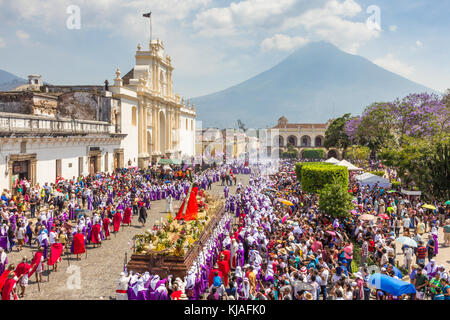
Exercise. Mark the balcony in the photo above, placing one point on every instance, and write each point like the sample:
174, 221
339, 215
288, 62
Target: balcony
19, 125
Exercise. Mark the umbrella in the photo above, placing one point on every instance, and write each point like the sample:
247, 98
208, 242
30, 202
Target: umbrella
168, 181
367, 217
304, 286
391, 285
286, 202
407, 241
391, 191
447, 202
384, 216
354, 212
389, 209
332, 233
429, 206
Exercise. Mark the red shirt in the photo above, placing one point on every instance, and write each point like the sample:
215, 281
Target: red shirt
176, 295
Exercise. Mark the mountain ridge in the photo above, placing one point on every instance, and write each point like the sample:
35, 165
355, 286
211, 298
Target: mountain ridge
306, 86
9, 81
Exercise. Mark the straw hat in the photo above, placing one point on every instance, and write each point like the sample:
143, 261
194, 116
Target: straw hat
308, 296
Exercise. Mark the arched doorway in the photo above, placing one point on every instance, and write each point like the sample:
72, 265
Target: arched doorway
162, 133
305, 141
332, 153
318, 141
292, 140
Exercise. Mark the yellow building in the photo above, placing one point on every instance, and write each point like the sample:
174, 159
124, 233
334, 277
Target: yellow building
301, 136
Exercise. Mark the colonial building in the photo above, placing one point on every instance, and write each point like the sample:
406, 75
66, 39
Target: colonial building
158, 122
301, 136
235, 144
48, 131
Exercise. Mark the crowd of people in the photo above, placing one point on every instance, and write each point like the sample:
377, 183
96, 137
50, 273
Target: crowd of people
282, 247
65, 216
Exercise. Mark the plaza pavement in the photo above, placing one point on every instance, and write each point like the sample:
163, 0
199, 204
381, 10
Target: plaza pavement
99, 269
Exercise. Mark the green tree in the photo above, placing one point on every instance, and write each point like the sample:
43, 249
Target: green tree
335, 200
374, 130
423, 162
335, 136
359, 153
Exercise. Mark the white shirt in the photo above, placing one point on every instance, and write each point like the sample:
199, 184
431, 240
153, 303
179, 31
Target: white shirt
52, 237
324, 275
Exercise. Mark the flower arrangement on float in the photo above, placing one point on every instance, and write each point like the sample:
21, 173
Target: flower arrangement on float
175, 237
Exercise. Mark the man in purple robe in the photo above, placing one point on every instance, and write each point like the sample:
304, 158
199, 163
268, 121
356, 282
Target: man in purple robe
3, 260
4, 242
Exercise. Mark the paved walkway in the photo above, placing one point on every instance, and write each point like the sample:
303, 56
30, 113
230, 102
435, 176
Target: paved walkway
443, 256
94, 276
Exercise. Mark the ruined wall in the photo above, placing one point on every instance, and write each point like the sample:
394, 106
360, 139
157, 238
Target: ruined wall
85, 106
20, 102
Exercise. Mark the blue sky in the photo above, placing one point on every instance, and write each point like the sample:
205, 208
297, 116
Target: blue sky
218, 43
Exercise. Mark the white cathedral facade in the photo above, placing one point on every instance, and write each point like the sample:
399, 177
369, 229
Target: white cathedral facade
50, 131
158, 122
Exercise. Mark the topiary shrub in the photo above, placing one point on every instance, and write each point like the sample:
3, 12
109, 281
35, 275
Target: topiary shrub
298, 167
315, 177
377, 173
334, 199
313, 154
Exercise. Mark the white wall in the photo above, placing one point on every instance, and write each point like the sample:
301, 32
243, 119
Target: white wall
187, 136
130, 144
47, 152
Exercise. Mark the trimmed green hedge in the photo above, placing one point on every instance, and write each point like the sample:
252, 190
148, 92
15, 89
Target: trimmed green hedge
377, 173
313, 154
298, 167
315, 177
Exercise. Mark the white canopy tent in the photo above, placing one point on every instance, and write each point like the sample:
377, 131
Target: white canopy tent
332, 160
349, 165
369, 179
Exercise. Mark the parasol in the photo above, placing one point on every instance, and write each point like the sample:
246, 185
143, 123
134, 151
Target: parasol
384, 216
407, 241
429, 206
367, 217
303, 286
287, 202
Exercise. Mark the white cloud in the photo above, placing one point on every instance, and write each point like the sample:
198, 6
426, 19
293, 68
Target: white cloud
393, 28
2, 43
419, 44
240, 15
283, 42
22, 35
330, 23
391, 63
51, 15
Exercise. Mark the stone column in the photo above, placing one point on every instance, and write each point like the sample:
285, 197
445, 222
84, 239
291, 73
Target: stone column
33, 163
140, 127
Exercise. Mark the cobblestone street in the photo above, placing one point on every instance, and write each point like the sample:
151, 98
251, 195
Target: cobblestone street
99, 269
